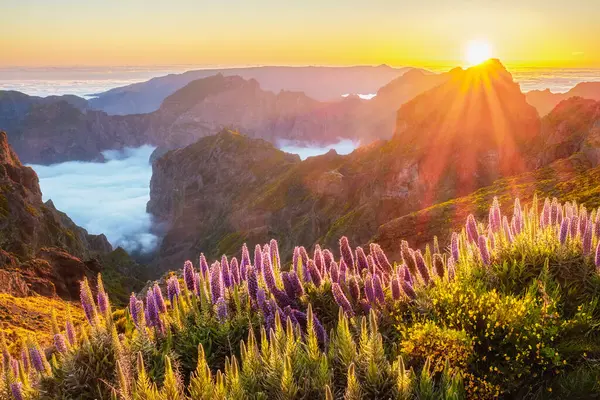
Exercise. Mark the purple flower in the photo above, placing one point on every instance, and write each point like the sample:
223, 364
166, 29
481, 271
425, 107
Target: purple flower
353, 288
346, 252
327, 258
252, 283
173, 289
245, 260
87, 302
258, 258
564, 230
361, 259
395, 288
37, 357
365, 306
495, 216
261, 300
14, 365
422, 267
152, 310
587, 238
296, 259
334, 272
372, 267
438, 265
341, 300
574, 226
315, 275
235, 271
225, 272
203, 265
25, 360
221, 309
216, 285
597, 258
318, 260
274, 251
102, 297
381, 259
507, 230
378, 289
454, 245
268, 273
408, 289
132, 307
554, 211
16, 388
159, 299
483, 250
471, 228
369, 290
297, 286
491, 239
407, 276
59, 343
287, 285
546, 211
188, 276
319, 330
281, 297
583, 218
408, 257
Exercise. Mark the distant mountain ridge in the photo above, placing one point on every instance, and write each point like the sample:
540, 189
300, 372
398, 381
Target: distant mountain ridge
319, 83
545, 101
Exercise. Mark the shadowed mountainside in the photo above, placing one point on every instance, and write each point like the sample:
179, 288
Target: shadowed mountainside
544, 100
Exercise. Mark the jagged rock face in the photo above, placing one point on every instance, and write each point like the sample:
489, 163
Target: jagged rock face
40, 247
545, 101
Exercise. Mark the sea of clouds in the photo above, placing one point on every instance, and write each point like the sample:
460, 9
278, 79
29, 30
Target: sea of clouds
108, 197
304, 150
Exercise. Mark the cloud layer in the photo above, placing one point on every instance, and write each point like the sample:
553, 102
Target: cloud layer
344, 146
107, 197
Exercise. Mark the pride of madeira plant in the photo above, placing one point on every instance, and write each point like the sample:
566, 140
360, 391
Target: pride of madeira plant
511, 309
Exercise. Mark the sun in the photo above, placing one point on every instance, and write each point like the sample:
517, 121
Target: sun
478, 51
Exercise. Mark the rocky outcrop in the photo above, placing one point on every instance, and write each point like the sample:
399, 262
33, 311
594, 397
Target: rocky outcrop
545, 101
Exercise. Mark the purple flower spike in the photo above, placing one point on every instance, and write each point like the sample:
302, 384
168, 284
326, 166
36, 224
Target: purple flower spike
188, 276
334, 272
408, 289
37, 357
14, 365
268, 273
378, 289
554, 211
288, 285
235, 271
471, 228
258, 258
87, 303
203, 264
346, 252
574, 226
408, 257
495, 216
16, 388
491, 239
365, 306
451, 269
369, 290
252, 283
483, 250
438, 265
25, 360
353, 288
245, 260
564, 230
296, 259
274, 252
173, 289
261, 300
341, 300
132, 308
407, 276
216, 284
102, 297
361, 259
454, 245
221, 309
587, 238
315, 275
327, 258
225, 272
422, 267
546, 211
395, 287
318, 259
152, 310
159, 299
59, 343
319, 330
381, 259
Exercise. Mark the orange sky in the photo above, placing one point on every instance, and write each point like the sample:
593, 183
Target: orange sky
325, 32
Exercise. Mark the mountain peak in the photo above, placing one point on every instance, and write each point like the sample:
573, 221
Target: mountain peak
7, 155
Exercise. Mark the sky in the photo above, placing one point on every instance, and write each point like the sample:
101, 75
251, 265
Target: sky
309, 32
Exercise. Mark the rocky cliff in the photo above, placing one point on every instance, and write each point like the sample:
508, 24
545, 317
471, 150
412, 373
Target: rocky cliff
41, 249
545, 101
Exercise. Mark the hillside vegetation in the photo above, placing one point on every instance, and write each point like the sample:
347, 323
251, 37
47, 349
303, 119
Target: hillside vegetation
509, 310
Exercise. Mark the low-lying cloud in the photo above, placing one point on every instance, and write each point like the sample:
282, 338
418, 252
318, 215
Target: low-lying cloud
107, 197
344, 146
